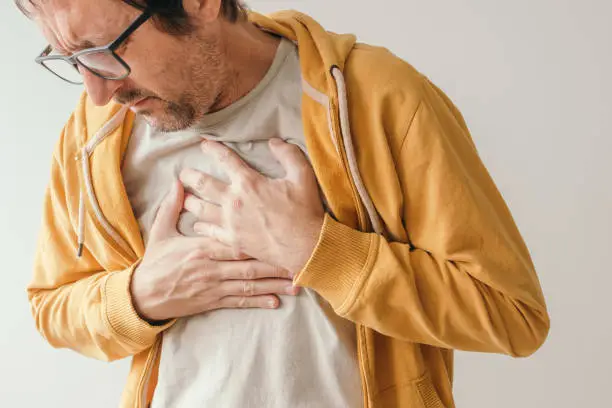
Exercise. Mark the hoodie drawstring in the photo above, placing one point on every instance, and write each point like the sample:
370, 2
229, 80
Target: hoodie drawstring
83, 158
347, 140
81, 225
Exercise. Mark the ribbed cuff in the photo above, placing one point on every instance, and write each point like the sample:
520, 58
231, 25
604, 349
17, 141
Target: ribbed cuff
339, 264
120, 312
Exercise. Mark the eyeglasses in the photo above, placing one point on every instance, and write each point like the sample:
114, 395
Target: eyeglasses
100, 61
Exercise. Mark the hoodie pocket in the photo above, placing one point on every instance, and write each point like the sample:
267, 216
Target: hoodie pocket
427, 393
419, 393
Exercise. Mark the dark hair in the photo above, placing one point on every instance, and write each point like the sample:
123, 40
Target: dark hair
169, 15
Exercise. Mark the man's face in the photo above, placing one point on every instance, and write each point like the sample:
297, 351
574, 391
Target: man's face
177, 79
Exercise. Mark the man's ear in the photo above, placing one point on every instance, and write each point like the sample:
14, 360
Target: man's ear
204, 10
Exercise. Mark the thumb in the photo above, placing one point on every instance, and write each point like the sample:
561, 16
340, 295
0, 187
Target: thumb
292, 159
168, 213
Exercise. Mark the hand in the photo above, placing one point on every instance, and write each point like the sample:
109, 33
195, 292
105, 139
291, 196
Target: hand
182, 276
277, 221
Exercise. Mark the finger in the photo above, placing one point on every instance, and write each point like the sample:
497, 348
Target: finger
203, 210
233, 165
246, 302
215, 250
292, 159
168, 213
258, 287
251, 269
213, 231
204, 185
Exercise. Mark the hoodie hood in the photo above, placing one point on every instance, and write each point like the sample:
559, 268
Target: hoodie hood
319, 47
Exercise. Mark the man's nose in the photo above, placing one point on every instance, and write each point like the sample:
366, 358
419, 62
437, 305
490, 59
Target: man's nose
100, 90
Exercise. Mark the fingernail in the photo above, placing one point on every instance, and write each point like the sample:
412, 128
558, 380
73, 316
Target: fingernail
276, 141
292, 290
272, 303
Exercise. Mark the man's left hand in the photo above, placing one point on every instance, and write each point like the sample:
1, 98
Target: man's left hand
277, 221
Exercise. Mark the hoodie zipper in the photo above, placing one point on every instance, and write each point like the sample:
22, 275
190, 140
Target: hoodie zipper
143, 384
361, 199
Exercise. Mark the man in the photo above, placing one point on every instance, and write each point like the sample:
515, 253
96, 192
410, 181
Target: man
303, 159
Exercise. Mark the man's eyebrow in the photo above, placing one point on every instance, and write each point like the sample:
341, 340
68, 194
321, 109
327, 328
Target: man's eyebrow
76, 47
81, 45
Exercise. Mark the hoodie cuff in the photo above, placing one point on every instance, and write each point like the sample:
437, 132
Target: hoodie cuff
121, 314
339, 264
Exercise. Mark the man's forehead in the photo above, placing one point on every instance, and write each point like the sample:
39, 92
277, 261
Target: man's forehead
82, 23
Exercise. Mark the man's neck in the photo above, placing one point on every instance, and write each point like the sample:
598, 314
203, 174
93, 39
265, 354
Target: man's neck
249, 53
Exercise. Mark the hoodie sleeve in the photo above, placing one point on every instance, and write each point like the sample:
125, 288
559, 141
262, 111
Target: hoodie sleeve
465, 280
75, 304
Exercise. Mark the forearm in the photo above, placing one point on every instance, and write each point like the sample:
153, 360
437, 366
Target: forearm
420, 297
93, 316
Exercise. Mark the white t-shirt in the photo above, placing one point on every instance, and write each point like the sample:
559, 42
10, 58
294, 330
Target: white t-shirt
301, 355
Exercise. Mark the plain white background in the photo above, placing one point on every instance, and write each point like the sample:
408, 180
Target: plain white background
533, 80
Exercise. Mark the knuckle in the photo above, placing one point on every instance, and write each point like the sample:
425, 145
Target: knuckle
224, 155
217, 252
202, 209
242, 303
201, 183
248, 288
206, 275
197, 255
249, 273
248, 183
213, 253
211, 232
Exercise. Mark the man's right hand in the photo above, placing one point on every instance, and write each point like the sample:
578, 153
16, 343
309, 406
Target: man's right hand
183, 276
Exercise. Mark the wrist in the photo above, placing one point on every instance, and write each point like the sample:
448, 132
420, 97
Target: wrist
307, 245
139, 299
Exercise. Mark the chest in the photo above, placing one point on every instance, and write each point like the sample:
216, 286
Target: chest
154, 159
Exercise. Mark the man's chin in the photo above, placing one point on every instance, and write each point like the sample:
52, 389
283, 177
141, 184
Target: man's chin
164, 116
162, 122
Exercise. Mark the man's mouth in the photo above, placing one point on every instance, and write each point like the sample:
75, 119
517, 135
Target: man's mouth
139, 101
140, 104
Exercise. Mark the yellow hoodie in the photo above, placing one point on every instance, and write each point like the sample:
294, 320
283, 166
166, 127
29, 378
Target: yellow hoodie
419, 249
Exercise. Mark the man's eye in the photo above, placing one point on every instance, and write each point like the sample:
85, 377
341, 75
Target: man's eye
55, 51
123, 46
